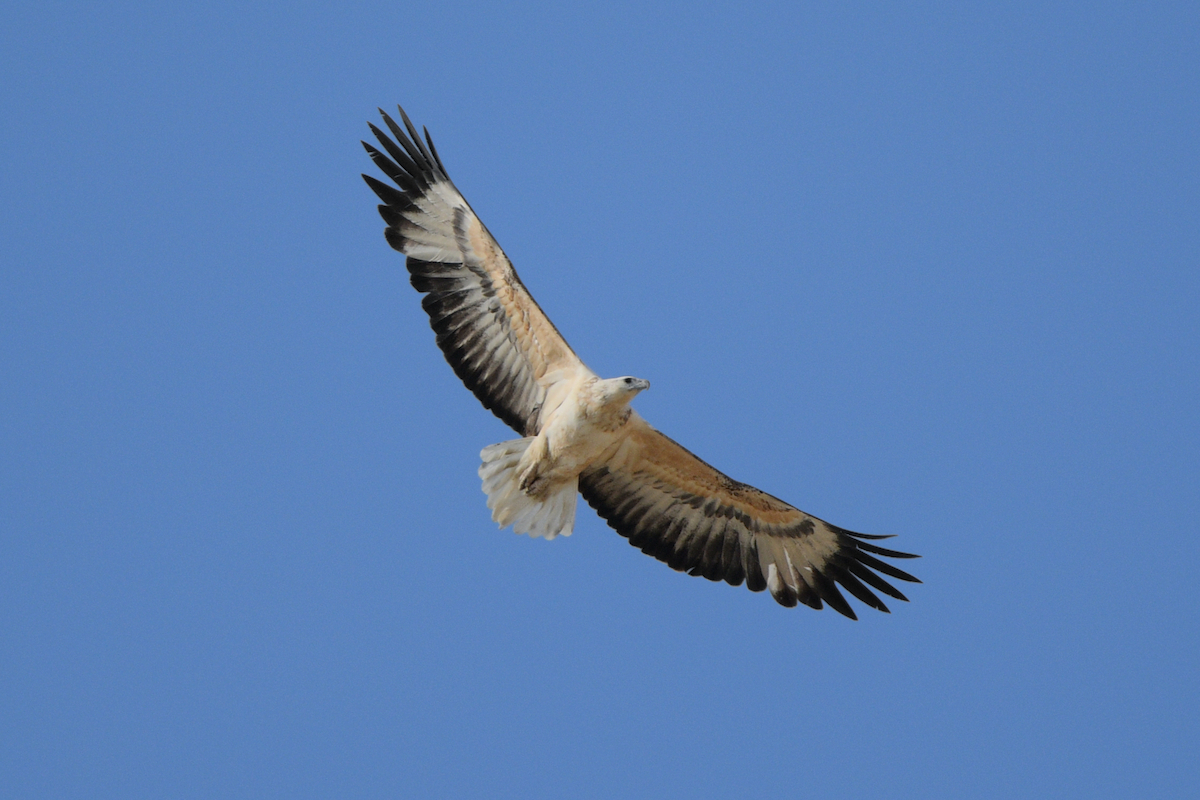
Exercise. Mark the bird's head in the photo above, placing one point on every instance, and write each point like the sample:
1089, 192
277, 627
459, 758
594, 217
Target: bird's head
623, 389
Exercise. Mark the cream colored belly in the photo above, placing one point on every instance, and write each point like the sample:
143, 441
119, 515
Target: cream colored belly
565, 448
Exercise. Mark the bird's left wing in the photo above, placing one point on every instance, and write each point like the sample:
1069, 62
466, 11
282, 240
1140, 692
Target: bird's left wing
682, 511
497, 339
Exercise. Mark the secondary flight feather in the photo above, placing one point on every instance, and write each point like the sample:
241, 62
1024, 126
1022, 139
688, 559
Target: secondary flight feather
578, 434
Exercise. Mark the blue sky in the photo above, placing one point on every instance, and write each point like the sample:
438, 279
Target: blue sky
920, 269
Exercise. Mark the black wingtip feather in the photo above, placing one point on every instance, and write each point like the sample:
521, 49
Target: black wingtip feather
416, 137
879, 584
436, 158
885, 568
828, 591
388, 194
809, 597
413, 155
402, 178
855, 587
883, 551
402, 156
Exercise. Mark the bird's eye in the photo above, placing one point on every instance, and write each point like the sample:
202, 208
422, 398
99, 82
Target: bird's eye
628, 381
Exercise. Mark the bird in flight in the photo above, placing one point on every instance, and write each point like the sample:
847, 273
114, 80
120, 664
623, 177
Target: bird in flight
578, 432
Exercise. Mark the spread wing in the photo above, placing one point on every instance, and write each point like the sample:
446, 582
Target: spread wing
685, 513
498, 341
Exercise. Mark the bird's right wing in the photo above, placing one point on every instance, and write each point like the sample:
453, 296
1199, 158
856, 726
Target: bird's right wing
497, 339
682, 511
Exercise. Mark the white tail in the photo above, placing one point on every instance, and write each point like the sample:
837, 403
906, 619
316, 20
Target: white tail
554, 516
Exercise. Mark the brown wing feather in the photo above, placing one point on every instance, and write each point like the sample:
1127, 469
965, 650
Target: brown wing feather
497, 339
685, 513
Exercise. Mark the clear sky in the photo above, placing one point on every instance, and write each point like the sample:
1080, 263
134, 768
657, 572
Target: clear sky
925, 269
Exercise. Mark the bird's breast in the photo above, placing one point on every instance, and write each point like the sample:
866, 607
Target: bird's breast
576, 441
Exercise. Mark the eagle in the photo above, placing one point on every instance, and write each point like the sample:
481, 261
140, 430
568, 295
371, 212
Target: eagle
578, 433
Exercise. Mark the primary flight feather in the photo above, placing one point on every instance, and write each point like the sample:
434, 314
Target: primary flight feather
579, 434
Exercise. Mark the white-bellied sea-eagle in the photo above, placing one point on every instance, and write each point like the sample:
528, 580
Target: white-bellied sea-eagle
579, 433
